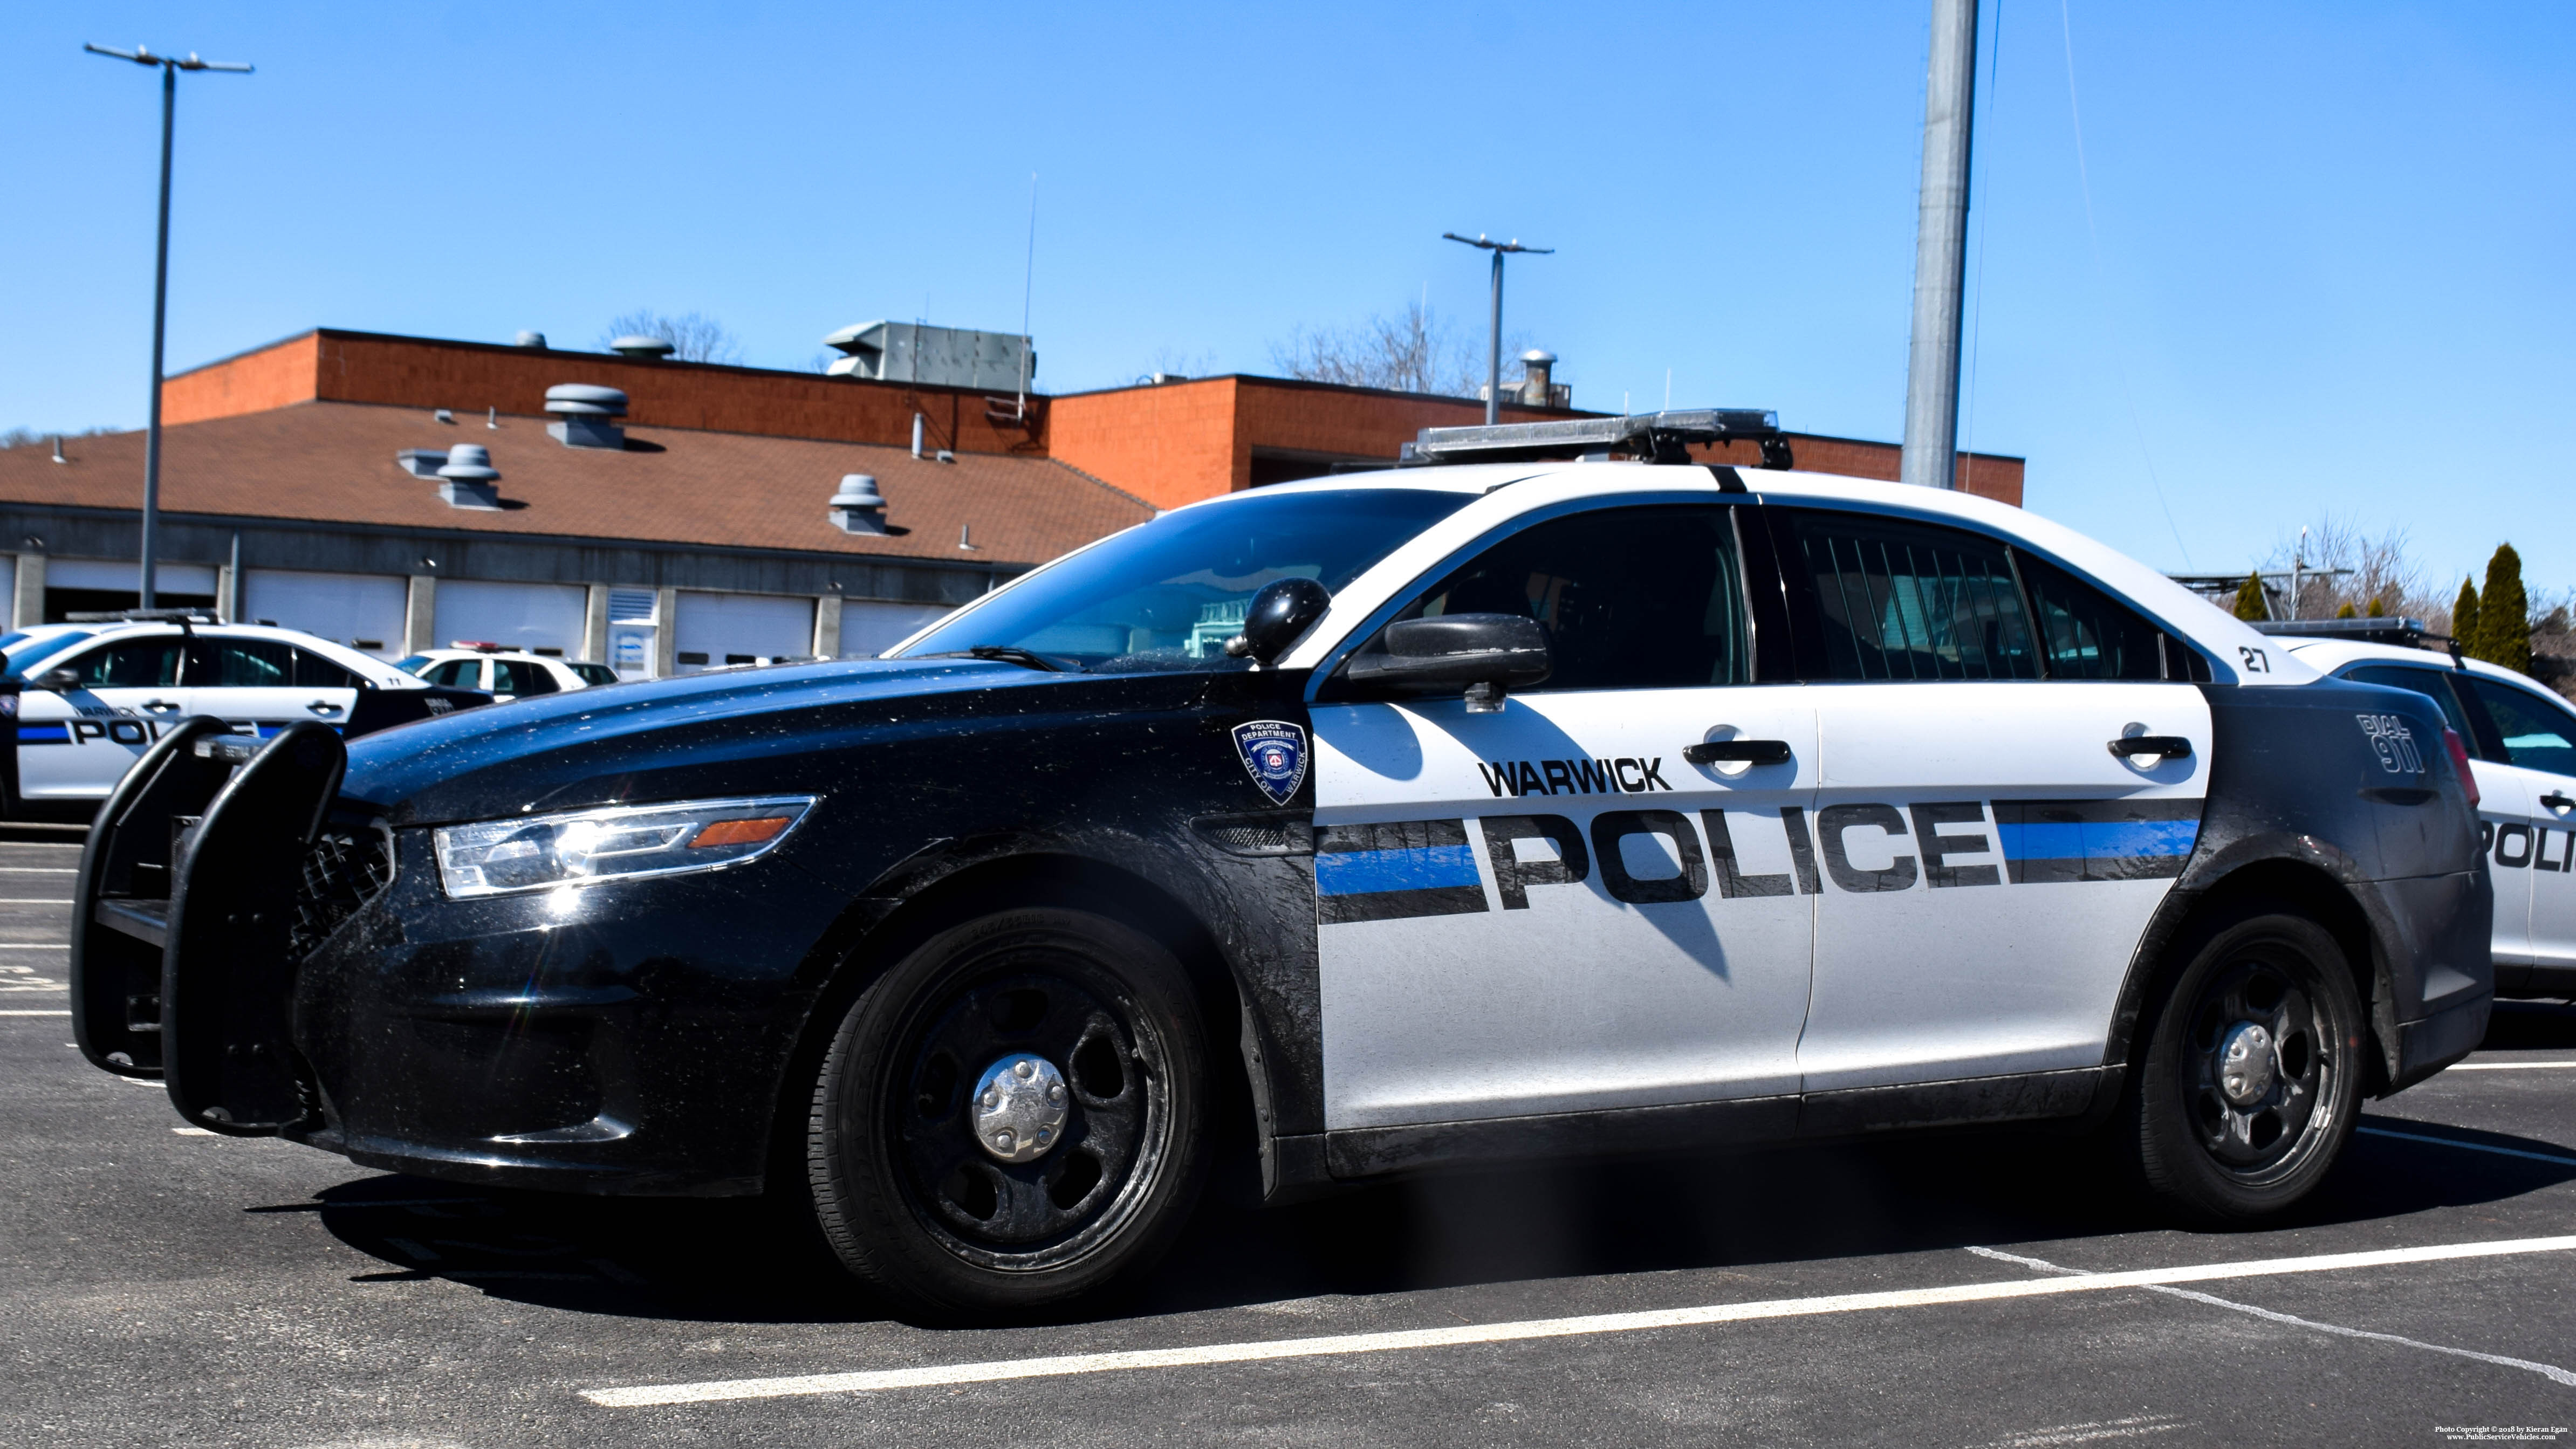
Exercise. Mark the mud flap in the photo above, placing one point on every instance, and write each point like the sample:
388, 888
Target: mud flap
227, 978
121, 898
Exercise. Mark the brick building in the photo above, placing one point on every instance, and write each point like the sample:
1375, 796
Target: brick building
331, 482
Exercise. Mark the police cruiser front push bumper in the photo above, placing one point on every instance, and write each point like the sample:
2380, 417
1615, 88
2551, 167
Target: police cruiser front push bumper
193, 901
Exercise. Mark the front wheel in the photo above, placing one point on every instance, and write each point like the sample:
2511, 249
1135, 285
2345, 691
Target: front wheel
2250, 1082
1012, 1116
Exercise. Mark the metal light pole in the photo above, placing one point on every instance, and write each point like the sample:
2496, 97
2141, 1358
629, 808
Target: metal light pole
1494, 345
170, 68
1941, 249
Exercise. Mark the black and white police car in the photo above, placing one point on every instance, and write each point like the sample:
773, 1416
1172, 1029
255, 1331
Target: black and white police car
2521, 742
1509, 807
504, 673
90, 697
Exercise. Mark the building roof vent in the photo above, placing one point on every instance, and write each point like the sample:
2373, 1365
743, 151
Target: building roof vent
586, 413
468, 479
1539, 387
534, 340
858, 507
642, 348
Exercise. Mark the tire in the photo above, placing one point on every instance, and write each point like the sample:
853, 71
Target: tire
1098, 1037
2225, 1141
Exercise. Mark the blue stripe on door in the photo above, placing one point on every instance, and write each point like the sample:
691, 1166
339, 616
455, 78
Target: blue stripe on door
44, 734
1364, 872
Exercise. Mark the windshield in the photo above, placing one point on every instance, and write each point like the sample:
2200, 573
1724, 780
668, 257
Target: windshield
412, 664
24, 652
1167, 595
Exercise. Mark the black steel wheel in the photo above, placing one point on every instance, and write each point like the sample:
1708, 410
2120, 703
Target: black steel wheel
1012, 1116
2250, 1080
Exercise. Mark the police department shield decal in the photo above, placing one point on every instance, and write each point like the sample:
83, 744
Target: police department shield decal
1275, 752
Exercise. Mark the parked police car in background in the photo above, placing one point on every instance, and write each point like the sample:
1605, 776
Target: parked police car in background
1506, 808
504, 673
2521, 740
91, 697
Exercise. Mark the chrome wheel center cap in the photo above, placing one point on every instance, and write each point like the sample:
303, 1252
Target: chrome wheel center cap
2247, 1067
1020, 1105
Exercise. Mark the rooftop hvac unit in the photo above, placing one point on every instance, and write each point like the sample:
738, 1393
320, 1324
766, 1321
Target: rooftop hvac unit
941, 356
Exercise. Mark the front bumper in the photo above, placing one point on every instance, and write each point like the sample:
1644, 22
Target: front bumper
628, 1037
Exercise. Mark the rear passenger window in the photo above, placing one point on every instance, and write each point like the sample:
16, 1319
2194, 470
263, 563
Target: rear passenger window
2086, 635
2538, 735
312, 671
521, 678
1631, 598
2423, 681
1899, 601
458, 674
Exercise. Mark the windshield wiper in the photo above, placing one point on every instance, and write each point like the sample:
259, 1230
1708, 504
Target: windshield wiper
1014, 654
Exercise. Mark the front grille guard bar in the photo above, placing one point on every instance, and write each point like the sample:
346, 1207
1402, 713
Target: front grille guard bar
234, 819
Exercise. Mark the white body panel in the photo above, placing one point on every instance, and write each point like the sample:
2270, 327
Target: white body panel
1987, 961
1575, 1000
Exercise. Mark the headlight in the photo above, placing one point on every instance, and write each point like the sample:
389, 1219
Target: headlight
621, 842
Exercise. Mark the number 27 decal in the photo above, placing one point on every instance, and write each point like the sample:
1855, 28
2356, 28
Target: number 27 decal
2256, 661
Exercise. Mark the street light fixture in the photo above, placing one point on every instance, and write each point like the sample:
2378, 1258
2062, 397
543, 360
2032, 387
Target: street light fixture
170, 67
1494, 348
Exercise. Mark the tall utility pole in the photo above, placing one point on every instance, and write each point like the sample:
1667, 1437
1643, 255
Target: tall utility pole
1941, 249
1494, 342
170, 68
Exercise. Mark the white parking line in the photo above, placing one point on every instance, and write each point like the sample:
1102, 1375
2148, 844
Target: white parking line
2551, 1372
39, 870
1059, 1366
32, 901
2510, 1067
2469, 1146
34, 1013
35, 945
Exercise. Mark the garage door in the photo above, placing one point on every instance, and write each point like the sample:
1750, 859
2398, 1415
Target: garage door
868, 628
516, 616
364, 611
719, 629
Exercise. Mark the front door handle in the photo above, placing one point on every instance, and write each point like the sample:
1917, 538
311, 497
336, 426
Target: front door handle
2556, 801
2172, 747
1739, 752
160, 706
323, 706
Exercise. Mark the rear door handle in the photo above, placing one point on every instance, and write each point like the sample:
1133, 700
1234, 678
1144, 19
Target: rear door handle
1734, 752
2172, 747
160, 706
2556, 801
323, 706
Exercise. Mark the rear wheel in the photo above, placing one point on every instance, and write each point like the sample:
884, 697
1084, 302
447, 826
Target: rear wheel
2251, 1078
1012, 1116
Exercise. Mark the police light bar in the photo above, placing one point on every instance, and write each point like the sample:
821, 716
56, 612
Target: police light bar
181, 617
1662, 437
479, 646
2410, 633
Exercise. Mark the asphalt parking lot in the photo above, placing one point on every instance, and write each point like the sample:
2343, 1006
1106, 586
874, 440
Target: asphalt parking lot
158, 1285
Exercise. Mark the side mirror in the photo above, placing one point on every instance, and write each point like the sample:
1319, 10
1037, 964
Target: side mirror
1277, 616
59, 680
1482, 654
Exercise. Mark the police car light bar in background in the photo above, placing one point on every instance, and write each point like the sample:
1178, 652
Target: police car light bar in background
1659, 437
2404, 633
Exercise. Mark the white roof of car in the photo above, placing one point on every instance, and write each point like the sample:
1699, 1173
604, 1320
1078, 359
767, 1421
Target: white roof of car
2226, 638
2329, 655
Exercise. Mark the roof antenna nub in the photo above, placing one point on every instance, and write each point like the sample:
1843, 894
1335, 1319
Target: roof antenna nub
58, 449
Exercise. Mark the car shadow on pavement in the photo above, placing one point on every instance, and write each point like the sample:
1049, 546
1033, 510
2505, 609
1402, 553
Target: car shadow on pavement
2531, 1026
747, 1260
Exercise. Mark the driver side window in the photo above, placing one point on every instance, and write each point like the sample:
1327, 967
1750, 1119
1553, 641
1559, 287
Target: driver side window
1630, 598
139, 664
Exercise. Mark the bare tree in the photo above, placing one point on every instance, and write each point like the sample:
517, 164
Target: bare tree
1415, 350
28, 438
694, 337
2379, 569
1174, 363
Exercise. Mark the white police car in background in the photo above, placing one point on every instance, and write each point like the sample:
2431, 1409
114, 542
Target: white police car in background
90, 697
2521, 739
504, 673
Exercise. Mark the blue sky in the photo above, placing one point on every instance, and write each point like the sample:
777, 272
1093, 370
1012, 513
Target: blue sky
2326, 270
